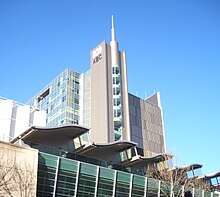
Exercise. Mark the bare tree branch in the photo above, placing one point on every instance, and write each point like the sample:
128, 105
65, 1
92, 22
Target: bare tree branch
16, 178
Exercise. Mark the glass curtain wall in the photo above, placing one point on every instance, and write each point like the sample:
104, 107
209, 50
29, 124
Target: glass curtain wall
62, 177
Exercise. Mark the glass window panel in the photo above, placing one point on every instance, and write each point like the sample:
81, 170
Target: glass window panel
84, 139
105, 187
66, 179
76, 142
46, 174
138, 186
106, 173
123, 155
123, 184
207, 194
122, 189
214, 181
178, 190
197, 172
86, 185
218, 179
88, 169
198, 192
152, 187
190, 174
124, 177
66, 166
139, 180
68, 161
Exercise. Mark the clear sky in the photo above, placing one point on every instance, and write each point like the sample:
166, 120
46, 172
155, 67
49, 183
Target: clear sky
172, 46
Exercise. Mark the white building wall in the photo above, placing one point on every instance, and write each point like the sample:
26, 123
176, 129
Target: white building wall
38, 118
16, 118
22, 120
6, 107
85, 106
20, 165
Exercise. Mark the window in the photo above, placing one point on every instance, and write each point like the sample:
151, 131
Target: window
116, 91
77, 143
76, 112
117, 101
63, 98
117, 113
43, 95
197, 172
115, 70
214, 181
76, 100
76, 80
76, 91
126, 154
190, 174
52, 107
116, 80
76, 122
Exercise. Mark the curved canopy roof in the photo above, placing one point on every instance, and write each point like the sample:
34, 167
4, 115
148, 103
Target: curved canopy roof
105, 151
187, 168
61, 136
210, 176
63, 132
140, 161
106, 148
190, 167
117, 145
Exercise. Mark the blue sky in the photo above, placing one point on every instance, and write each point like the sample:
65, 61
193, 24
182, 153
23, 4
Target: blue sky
172, 47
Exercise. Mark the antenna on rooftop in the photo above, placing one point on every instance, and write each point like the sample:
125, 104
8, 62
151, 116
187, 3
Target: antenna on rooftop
113, 29
145, 95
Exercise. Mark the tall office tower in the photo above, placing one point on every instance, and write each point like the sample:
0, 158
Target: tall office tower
60, 99
15, 118
99, 99
109, 92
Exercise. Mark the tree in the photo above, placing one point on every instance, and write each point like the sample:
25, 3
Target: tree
174, 182
16, 177
7, 166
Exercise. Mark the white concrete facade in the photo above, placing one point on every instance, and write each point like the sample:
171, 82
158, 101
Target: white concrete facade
18, 170
16, 118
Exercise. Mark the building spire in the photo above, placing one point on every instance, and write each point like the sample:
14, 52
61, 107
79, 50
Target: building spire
113, 30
